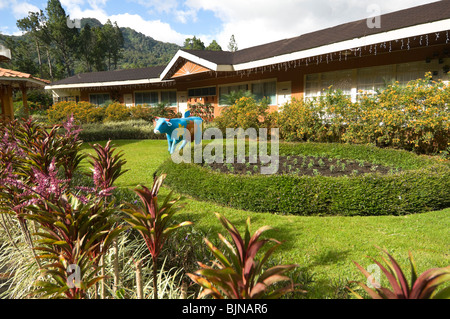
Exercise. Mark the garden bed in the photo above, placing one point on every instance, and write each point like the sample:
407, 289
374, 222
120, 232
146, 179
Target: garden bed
403, 183
303, 165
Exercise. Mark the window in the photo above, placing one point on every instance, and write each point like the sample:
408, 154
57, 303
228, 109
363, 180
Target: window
150, 98
169, 97
99, 99
225, 90
200, 92
316, 84
68, 99
372, 79
265, 90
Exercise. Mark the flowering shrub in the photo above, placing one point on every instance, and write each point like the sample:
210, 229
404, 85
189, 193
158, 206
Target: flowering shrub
205, 111
116, 112
83, 112
414, 117
245, 113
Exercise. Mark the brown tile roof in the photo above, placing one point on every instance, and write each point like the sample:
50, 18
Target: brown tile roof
6, 73
391, 21
115, 75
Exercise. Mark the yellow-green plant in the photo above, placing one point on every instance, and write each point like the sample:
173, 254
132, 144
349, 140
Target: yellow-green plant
116, 112
238, 273
244, 113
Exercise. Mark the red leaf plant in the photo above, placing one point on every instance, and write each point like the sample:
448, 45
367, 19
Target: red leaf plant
240, 274
422, 286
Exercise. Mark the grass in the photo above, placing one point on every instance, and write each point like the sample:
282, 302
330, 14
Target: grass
323, 247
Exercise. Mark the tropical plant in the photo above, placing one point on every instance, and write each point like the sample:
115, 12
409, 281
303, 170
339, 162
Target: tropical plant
154, 222
73, 237
106, 167
240, 275
422, 286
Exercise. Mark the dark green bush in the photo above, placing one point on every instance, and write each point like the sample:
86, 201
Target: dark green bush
128, 130
422, 185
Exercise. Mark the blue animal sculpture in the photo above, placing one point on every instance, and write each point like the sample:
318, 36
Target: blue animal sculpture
181, 126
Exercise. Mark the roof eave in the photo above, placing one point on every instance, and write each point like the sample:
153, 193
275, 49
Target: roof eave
195, 59
426, 28
100, 84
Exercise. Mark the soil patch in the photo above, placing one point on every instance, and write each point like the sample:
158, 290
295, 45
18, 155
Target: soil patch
303, 165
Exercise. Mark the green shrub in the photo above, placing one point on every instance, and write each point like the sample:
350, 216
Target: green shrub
126, 130
244, 113
414, 117
422, 185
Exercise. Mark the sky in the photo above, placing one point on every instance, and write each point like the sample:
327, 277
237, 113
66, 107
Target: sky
252, 22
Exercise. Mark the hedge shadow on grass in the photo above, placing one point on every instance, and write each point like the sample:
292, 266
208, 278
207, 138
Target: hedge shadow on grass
422, 185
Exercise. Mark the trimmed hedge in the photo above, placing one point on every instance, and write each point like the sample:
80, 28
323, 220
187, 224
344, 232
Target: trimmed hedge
128, 130
423, 185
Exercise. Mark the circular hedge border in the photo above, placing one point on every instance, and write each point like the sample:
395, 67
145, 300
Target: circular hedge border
422, 185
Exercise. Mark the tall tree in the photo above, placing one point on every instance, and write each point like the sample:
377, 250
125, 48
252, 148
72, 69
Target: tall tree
193, 44
214, 46
232, 45
32, 25
87, 46
63, 37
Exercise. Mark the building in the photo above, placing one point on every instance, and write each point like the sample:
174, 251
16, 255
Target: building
13, 80
358, 56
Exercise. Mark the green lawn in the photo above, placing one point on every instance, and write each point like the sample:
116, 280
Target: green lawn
323, 247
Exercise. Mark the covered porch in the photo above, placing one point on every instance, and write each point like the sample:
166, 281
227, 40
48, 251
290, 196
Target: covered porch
13, 80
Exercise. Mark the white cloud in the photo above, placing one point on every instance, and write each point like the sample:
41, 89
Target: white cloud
255, 22
19, 9
156, 29
186, 16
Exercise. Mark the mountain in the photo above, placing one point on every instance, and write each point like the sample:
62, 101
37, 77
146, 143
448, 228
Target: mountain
140, 50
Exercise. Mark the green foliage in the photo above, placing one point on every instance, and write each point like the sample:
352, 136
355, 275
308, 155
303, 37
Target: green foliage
412, 117
87, 113
422, 286
193, 44
422, 185
128, 130
214, 46
244, 113
239, 273
234, 96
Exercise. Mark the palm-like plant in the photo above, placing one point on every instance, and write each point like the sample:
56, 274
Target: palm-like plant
241, 274
71, 233
106, 167
153, 221
419, 287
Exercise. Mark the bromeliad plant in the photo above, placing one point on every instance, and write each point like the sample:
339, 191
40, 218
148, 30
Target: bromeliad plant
107, 167
422, 286
71, 235
239, 274
153, 221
